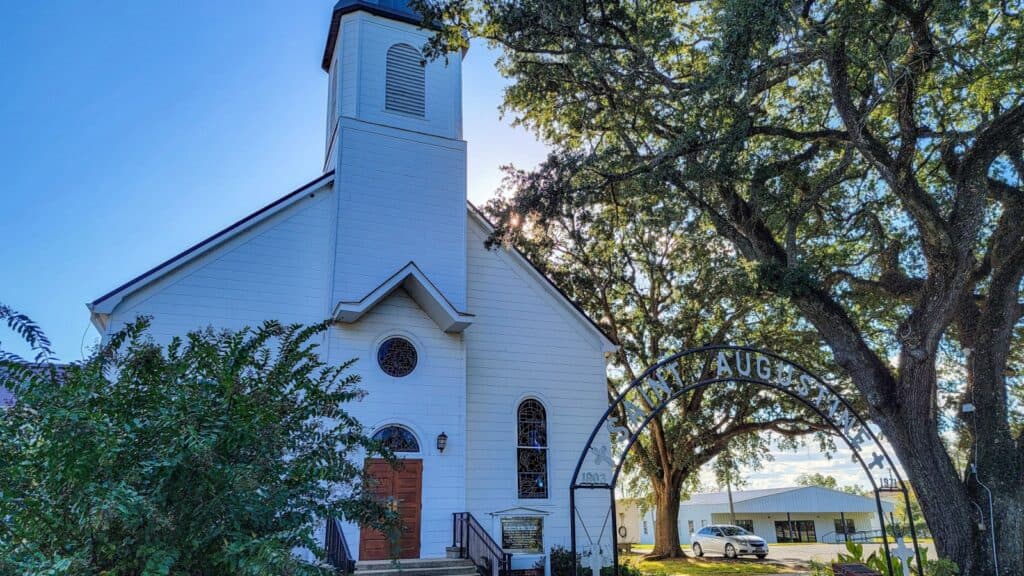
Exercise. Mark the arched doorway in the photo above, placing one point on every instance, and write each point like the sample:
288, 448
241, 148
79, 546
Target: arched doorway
402, 487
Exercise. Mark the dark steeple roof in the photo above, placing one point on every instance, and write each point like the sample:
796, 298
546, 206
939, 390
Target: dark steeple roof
394, 9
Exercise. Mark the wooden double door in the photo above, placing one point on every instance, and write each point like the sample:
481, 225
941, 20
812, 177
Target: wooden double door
404, 488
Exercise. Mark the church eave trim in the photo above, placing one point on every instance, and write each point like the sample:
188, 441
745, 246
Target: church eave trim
426, 294
344, 7
520, 511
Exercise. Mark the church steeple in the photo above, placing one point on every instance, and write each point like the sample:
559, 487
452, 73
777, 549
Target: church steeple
378, 74
394, 138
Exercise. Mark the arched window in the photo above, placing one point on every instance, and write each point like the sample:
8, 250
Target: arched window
397, 439
404, 84
532, 449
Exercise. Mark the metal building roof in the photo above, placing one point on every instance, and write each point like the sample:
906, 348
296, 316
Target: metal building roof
712, 498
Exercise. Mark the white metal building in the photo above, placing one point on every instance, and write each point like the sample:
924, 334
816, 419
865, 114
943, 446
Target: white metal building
793, 514
457, 341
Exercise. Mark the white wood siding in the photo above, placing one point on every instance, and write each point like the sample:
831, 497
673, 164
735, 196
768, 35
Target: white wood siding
277, 270
429, 401
523, 343
402, 198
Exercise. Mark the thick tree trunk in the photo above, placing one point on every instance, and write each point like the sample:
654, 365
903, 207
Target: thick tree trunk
996, 469
937, 485
957, 508
1007, 507
958, 513
666, 525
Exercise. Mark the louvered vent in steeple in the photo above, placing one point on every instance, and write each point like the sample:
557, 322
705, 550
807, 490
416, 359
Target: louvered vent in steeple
405, 89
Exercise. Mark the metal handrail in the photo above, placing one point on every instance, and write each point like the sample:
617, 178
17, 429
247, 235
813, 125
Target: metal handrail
338, 554
477, 545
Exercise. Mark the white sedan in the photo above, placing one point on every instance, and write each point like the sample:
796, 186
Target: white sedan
732, 541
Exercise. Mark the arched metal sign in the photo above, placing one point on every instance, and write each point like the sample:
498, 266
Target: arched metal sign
675, 377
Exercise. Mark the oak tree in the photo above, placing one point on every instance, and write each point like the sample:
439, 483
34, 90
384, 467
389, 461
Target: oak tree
864, 156
648, 273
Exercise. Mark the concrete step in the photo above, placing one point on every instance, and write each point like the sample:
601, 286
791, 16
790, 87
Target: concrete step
416, 567
413, 563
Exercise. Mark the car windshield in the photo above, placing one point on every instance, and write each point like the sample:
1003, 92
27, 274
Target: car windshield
734, 531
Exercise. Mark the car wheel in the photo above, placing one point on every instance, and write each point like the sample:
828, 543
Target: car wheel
761, 556
730, 551
697, 550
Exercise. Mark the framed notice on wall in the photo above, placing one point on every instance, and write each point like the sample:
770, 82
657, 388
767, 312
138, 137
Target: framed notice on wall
522, 534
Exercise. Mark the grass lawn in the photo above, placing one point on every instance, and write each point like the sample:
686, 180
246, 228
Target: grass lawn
645, 548
705, 567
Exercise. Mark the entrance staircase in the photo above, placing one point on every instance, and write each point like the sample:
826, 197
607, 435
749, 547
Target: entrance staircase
421, 567
473, 553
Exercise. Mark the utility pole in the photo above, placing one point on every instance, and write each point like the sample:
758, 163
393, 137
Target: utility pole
728, 486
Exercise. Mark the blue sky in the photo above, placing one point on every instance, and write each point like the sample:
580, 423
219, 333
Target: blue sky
131, 130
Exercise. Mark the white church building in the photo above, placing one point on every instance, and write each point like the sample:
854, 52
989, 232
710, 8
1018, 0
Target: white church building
479, 371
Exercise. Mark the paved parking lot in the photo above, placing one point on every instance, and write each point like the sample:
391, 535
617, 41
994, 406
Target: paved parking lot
798, 555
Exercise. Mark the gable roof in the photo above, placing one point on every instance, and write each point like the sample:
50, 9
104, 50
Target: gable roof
409, 277
104, 305
423, 291
520, 510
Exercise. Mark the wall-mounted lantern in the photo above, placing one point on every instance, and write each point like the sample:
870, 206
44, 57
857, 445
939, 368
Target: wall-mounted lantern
442, 442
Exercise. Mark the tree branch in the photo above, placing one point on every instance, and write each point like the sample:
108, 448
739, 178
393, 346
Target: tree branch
924, 210
1002, 133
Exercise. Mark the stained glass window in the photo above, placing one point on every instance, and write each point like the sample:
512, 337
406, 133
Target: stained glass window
532, 450
397, 357
398, 439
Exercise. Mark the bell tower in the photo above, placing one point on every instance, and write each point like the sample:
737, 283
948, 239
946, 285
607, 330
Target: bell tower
394, 139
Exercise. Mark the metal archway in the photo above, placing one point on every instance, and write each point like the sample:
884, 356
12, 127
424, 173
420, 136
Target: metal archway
724, 365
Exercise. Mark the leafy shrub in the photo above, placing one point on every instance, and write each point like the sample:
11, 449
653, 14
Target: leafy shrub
28, 331
219, 454
625, 569
819, 569
562, 563
876, 561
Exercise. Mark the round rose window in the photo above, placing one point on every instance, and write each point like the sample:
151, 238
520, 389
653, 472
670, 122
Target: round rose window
397, 357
